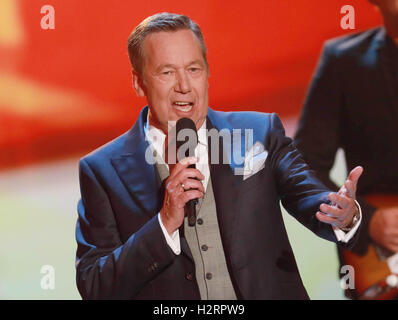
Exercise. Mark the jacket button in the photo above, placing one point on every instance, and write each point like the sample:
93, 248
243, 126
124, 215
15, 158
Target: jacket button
153, 267
204, 247
209, 276
200, 221
189, 276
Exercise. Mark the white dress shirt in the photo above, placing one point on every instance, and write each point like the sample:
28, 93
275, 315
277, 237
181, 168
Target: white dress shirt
157, 138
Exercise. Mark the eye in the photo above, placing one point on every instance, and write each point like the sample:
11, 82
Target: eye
167, 73
194, 69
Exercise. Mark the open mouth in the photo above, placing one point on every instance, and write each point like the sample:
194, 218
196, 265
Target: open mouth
184, 106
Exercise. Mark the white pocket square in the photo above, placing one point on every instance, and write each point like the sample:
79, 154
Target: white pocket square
254, 160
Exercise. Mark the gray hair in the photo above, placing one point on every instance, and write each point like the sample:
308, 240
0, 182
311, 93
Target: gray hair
160, 22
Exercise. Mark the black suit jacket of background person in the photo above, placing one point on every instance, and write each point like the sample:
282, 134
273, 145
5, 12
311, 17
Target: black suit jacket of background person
352, 104
122, 252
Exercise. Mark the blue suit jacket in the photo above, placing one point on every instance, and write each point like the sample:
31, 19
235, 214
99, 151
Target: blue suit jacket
122, 252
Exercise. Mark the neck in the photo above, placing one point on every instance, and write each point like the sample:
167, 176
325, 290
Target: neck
152, 122
200, 123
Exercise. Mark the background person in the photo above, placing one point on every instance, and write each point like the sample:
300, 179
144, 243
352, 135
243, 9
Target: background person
352, 103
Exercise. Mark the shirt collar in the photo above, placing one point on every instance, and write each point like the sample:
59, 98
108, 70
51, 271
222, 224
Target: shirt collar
156, 137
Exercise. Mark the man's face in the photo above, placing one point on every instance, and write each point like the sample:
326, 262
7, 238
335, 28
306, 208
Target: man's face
174, 78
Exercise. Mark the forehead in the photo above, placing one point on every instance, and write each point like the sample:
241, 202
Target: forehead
171, 47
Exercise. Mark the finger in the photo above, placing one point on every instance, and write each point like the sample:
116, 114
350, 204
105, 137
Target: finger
355, 174
188, 195
181, 165
173, 189
326, 219
340, 200
193, 184
184, 175
343, 191
351, 189
191, 173
352, 180
332, 212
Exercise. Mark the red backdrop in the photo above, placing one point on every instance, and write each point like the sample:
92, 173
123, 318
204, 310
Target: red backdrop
68, 90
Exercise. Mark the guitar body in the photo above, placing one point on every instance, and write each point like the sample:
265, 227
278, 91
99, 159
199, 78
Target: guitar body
371, 270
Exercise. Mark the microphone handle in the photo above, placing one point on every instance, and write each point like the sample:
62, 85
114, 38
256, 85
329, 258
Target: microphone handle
190, 207
190, 211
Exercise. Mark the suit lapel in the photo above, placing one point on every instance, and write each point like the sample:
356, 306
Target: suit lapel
138, 176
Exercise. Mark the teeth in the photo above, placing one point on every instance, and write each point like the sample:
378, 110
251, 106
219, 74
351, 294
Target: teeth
183, 106
185, 109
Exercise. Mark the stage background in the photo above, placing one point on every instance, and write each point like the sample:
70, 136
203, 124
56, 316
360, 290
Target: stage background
66, 91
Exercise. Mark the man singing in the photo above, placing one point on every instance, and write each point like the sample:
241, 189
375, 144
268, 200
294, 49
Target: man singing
133, 239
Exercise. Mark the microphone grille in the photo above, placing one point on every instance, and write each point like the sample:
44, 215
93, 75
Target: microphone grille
186, 133
185, 123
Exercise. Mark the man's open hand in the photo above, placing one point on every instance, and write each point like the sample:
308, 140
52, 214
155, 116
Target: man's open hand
340, 213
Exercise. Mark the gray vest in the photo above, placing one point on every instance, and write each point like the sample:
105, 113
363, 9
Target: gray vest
204, 241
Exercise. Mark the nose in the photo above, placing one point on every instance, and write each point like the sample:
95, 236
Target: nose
183, 84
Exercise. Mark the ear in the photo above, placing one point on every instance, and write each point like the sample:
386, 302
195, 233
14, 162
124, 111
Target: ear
138, 84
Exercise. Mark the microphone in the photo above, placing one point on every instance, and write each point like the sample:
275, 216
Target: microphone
186, 142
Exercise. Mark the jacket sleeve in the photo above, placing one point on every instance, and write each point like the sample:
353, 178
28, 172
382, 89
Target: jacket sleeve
301, 192
319, 131
107, 268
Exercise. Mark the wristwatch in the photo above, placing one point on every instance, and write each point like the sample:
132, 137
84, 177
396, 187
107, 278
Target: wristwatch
354, 221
